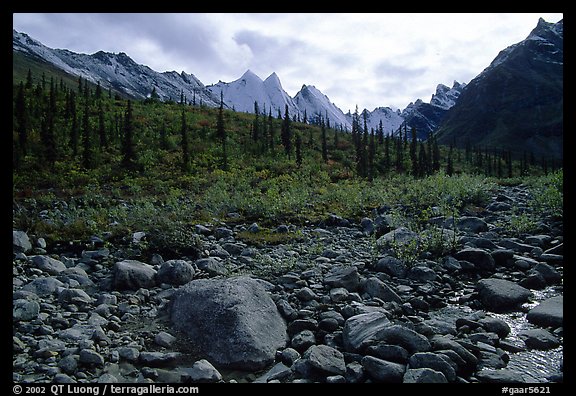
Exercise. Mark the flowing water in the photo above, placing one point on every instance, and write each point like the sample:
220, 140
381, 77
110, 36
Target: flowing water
534, 365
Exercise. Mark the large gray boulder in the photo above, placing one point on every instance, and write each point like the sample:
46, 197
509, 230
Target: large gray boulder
231, 322
361, 329
500, 295
549, 312
133, 275
175, 272
20, 242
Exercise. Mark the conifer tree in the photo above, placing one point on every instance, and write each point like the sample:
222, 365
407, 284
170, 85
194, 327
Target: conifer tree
435, 155
98, 91
256, 124
221, 131
87, 153
29, 79
413, 155
422, 161
184, 143
450, 164
102, 127
21, 120
380, 133
298, 150
271, 131
286, 133
74, 125
324, 142
371, 155
128, 149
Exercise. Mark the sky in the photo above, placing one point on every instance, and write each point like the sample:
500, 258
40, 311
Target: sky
365, 60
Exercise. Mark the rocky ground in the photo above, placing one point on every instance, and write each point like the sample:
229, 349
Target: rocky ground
334, 306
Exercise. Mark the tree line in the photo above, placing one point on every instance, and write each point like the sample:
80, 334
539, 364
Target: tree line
54, 122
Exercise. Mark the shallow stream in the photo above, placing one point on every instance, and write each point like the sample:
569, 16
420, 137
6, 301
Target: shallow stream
534, 365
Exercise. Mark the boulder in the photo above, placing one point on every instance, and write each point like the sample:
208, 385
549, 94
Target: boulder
326, 359
48, 264
232, 322
379, 289
383, 370
500, 295
391, 266
399, 236
175, 272
423, 376
20, 242
343, 276
481, 259
360, 329
549, 312
471, 224
133, 275
407, 338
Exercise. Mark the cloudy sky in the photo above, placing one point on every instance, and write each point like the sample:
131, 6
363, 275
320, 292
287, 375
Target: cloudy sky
368, 60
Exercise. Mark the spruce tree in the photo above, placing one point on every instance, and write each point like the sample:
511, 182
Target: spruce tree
422, 161
450, 164
413, 155
87, 153
128, 149
380, 133
371, 155
271, 136
184, 143
256, 124
435, 155
221, 131
286, 133
21, 120
298, 150
29, 79
74, 125
102, 127
324, 143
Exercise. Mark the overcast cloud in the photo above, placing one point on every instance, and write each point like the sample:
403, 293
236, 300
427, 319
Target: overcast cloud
368, 60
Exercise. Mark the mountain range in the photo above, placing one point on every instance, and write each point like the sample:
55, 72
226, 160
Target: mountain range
516, 101
121, 73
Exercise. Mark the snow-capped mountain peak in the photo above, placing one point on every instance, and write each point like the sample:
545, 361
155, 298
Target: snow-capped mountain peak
446, 97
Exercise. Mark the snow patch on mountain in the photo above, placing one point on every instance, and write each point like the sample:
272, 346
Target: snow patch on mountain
310, 100
117, 71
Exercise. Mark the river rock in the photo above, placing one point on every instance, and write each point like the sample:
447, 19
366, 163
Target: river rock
549, 312
539, 339
175, 272
481, 259
20, 242
360, 329
407, 338
500, 295
379, 289
434, 361
391, 266
423, 376
383, 370
233, 322
471, 224
48, 264
201, 371
343, 276
501, 376
326, 359
133, 275
43, 286
24, 310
